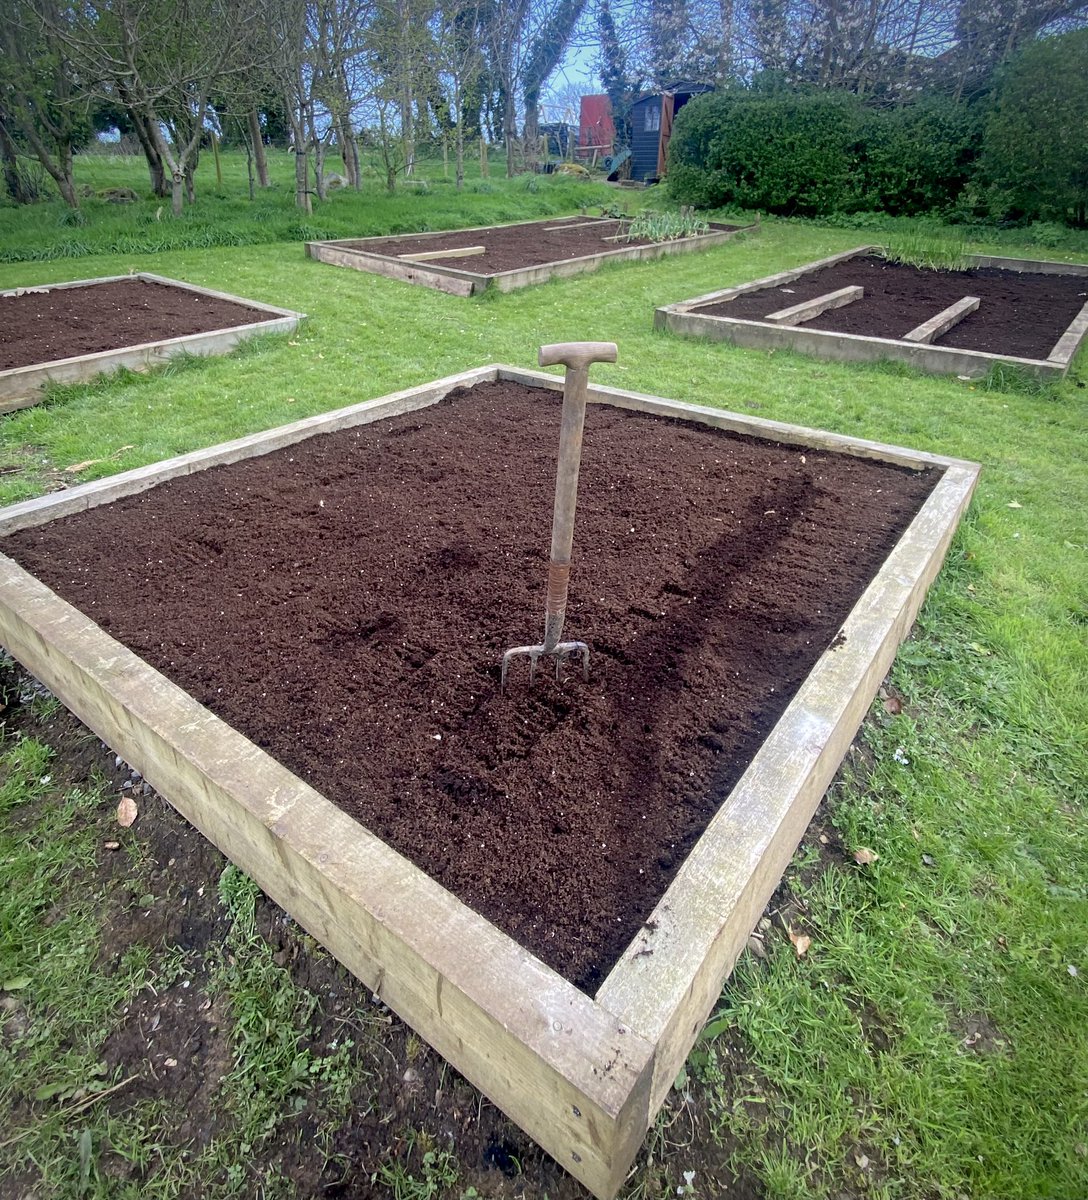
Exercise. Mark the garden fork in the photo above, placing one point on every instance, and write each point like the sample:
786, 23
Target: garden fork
576, 357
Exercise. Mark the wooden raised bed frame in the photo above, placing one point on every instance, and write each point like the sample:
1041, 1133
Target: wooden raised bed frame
684, 318
352, 252
583, 1076
20, 387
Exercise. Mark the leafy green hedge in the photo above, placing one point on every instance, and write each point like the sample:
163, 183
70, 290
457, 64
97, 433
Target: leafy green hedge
813, 153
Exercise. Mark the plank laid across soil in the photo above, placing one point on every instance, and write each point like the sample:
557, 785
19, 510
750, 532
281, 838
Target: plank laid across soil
1021, 314
345, 605
583, 1076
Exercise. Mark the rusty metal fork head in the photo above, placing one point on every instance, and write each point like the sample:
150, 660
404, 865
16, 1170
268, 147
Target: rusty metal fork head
534, 653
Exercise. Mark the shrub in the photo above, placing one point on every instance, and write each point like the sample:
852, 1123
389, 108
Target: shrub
813, 153
1035, 153
919, 157
795, 154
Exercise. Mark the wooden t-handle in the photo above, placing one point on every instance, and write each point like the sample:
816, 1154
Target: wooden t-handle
577, 354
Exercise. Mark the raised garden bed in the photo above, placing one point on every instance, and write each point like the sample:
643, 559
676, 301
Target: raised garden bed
467, 261
730, 671
859, 307
71, 332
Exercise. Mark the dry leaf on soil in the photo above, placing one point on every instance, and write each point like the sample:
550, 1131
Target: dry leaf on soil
801, 942
126, 812
865, 857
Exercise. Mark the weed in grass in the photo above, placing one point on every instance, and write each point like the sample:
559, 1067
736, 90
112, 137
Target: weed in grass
437, 1170
273, 1072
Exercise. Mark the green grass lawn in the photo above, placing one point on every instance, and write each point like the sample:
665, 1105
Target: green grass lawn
931, 1042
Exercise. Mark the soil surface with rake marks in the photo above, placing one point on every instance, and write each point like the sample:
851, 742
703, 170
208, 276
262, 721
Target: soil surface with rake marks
510, 247
1021, 314
45, 324
345, 603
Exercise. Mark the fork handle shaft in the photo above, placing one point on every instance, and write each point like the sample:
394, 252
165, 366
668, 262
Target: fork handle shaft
572, 423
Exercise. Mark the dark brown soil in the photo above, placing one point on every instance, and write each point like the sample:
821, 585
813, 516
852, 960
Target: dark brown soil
43, 325
509, 247
1021, 314
345, 603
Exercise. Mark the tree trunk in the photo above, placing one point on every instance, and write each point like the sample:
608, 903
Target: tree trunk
155, 168
13, 179
349, 152
459, 168
60, 168
256, 138
532, 130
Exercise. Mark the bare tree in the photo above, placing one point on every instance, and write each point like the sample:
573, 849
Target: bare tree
43, 104
164, 59
459, 32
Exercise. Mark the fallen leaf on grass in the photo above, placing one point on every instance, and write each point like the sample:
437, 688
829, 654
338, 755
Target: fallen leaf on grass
127, 812
1014, 504
801, 942
75, 468
893, 706
865, 857
862, 1160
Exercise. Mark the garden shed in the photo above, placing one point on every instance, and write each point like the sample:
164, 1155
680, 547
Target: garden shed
651, 127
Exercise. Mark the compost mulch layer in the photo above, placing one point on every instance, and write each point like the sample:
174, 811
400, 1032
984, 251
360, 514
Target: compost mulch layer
510, 247
1021, 314
44, 324
345, 603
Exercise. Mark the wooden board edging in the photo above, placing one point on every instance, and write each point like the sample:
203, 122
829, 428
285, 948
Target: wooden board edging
583, 1076
670, 977
354, 252
22, 387
684, 318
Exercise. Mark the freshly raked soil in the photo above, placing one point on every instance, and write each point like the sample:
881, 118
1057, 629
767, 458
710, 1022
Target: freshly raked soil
45, 324
345, 603
510, 247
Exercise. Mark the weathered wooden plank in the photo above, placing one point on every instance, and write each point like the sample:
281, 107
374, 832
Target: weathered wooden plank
943, 321
796, 314
768, 281
442, 280
575, 225
846, 347
457, 252
1070, 341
